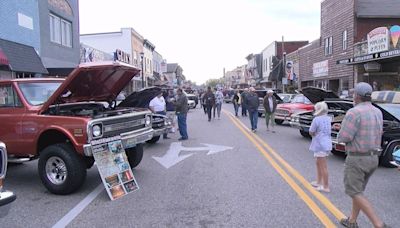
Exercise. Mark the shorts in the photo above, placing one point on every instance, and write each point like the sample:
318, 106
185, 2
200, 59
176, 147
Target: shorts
357, 171
322, 154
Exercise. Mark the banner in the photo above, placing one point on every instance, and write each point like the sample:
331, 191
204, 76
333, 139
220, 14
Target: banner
114, 168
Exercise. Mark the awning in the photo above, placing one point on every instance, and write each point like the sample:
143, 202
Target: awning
3, 58
371, 57
22, 58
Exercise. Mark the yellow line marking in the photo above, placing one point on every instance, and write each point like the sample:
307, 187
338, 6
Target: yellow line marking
310, 203
324, 200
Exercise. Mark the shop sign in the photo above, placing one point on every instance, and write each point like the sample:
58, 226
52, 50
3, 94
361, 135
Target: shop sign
372, 57
320, 69
114, 168
122, 56
378, 40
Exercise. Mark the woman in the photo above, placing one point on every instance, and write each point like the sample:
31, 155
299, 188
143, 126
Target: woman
321, 145
219, 99
236, 102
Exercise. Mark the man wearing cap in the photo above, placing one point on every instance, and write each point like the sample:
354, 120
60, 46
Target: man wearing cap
270, 108
361, 131
251, 102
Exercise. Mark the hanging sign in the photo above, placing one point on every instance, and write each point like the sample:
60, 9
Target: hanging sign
114, 168
378, 40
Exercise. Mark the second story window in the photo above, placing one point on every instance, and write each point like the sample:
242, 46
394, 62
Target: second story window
328, 46
60, 31
344, 44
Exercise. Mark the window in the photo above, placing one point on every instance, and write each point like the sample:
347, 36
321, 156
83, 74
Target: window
328, 45
8, 98
39, 92
60, 31
344, 44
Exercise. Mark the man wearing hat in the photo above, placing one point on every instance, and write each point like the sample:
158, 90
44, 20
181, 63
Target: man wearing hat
270, 104
361, 131
251, 102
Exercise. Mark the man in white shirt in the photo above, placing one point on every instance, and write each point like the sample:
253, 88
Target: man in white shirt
157, 105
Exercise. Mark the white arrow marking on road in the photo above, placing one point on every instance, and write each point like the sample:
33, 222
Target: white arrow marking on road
172, 157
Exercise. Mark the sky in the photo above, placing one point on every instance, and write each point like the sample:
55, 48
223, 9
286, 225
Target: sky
205, 36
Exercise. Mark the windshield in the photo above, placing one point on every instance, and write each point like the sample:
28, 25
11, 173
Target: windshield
393, 109
301, 99
39, 92
285, 97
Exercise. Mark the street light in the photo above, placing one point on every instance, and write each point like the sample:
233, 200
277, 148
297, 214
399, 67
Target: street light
141, 58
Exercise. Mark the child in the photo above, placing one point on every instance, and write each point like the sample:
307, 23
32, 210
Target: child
321, 144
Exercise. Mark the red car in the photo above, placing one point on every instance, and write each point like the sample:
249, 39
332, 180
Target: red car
299, 103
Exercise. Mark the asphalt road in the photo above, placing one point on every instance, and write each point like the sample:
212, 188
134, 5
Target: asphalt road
245, 186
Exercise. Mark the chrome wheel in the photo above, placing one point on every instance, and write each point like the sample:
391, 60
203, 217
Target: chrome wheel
56, 170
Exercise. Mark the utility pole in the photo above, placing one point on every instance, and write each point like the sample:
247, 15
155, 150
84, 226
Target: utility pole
283, 64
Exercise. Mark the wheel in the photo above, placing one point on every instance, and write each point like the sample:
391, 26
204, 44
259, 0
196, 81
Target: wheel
279, 122
153, 140
89, 161
61, 169
135, 155
338, 153
304, 134
385, 159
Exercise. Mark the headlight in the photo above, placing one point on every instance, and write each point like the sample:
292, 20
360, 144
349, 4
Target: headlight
167, 122
97, 130
148, 121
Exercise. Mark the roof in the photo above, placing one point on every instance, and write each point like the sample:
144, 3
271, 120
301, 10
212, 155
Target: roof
171, 67
22, 58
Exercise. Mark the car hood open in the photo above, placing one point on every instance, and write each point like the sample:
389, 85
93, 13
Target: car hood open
140, 98
316, 95
99, 81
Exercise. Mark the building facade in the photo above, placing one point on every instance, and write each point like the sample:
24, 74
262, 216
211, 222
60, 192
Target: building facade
254, 68
174, 74
148, 49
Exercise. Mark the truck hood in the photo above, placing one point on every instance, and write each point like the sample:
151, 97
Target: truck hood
316, 95
99, 81
140, 98
295, 106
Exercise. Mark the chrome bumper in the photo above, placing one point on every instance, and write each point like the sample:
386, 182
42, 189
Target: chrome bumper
158, 132
279, 117
130, 139
338, 146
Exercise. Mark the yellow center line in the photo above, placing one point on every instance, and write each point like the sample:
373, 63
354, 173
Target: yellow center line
309, 202
324, 200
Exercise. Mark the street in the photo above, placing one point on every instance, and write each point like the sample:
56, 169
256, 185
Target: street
223, 176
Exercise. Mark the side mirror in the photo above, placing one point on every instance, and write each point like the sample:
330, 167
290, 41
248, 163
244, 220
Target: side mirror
6, 197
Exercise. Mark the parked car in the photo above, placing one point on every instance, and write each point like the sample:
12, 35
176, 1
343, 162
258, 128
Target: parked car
6, 197
299, 103
287, 97
261, 94
338, 108
193, 100
160, 123
55, 120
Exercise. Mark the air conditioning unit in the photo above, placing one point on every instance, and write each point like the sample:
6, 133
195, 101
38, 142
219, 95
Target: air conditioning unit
372, 67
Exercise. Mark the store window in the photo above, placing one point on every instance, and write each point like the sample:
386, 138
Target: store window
60, 31
344, 40
8, 97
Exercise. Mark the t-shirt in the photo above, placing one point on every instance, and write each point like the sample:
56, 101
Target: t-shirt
322, 141
219, 97
157, 104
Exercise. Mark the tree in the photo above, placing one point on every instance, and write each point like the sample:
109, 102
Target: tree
214, 82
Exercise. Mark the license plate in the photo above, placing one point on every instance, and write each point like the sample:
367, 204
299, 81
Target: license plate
340, 147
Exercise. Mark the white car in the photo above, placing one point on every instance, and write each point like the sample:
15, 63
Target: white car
191, 104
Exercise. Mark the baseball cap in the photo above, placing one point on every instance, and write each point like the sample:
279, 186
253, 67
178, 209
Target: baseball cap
363, 89
270, 91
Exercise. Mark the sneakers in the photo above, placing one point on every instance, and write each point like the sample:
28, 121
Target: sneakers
181, 138
322, 189
346, 223
314, 184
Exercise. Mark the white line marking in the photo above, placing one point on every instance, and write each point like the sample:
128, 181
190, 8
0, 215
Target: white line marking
71, 215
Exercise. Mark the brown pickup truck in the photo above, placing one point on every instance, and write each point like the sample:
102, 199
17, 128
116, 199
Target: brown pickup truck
55, 120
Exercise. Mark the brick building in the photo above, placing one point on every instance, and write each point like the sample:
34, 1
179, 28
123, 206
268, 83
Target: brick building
343, 24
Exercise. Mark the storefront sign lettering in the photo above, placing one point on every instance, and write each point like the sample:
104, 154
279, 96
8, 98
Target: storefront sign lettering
122, 56
321, 69
378, 40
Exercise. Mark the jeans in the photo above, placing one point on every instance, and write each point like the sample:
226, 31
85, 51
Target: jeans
182, 125
244, 110
209, 109
218, 106
236, 107
163, 113
253, 115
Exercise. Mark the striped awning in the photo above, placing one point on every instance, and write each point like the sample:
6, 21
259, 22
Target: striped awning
386, 97
3, 58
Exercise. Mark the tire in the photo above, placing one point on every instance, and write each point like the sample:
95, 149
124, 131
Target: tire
135, 155
385, 159
154, 139
338, 153
61, 156
304, 134
279, 122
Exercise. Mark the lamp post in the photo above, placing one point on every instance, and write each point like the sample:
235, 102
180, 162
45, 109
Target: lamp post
141, 58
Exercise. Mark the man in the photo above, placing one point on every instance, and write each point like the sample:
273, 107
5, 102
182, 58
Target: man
243, 96
157, 105
270, 104
209, 101
219, 99
361, 131
251, 102
181, 108
236, 102
170, 106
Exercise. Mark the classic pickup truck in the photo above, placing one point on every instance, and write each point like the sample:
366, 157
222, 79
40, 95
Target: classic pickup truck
55, 120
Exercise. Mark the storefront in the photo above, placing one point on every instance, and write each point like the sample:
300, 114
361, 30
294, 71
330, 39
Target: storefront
377, 60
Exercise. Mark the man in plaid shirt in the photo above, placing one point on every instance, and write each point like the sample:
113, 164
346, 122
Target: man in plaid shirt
361, 131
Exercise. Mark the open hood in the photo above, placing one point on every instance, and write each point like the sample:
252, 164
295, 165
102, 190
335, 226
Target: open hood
99, 81
263, 93
316, 95
140, 98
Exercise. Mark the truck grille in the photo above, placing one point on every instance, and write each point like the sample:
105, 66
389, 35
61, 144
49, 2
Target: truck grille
305, 120
158, 123
282, 112
122, 125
